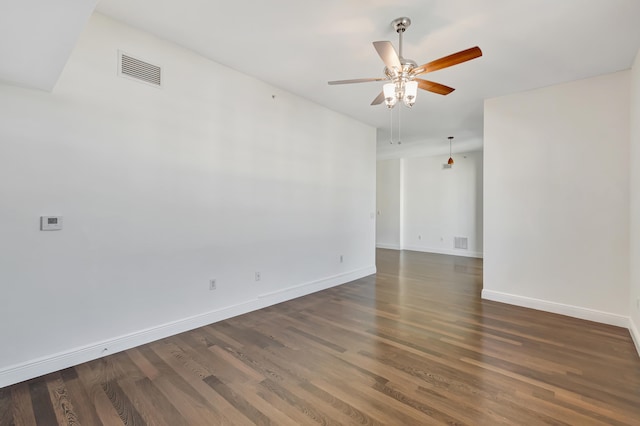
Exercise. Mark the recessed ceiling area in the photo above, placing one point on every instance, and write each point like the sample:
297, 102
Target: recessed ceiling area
300, 46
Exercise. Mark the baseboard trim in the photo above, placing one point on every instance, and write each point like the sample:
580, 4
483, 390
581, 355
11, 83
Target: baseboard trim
453, 252
318, 285
388, 246
635, 335
557, 308
54, 362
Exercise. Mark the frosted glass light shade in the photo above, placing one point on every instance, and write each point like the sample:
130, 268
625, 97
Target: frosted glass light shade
389, 91
410, 93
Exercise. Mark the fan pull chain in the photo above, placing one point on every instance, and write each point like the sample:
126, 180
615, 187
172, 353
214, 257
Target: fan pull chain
391, 126
399, 127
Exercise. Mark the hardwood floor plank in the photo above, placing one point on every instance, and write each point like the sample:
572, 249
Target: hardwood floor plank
355, 415
82, 403
217, 337
194, 409
152, 405
6, 412
41, 402
317, 339
251, 392
253, 414
300, 404
123, 405
220, 408
105, 411
251, 374
143, 364
295, 408
409, 383
22, 408
260, 363
361, 396
62, 405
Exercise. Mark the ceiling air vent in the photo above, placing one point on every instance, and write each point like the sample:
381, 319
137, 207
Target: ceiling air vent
139, 70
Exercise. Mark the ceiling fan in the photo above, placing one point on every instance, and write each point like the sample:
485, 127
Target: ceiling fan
402, 73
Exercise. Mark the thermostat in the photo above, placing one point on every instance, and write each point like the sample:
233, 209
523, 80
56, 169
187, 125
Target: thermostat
50, 223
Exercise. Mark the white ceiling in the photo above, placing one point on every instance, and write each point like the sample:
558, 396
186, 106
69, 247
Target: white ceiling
300, 45
37, 37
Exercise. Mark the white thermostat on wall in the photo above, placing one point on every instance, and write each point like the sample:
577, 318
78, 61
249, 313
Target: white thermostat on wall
50, 223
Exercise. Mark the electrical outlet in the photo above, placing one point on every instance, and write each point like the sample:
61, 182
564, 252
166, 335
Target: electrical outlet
257, 276
341, 259
212, 284
419, 237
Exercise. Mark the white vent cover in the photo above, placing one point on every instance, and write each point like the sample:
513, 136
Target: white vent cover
446, 166
460, 242
139, 70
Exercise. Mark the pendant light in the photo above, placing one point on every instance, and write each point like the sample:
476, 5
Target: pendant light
450, 162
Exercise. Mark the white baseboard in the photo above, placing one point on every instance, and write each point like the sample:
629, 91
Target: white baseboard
314, 286
54, 362
453, 252
557, 308
635, 335
388, 246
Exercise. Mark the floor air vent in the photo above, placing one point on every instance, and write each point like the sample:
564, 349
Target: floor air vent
139, 70
460, 242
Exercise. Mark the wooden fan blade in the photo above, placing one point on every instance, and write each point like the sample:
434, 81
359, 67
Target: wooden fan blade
430, 86
448, 61
357, 80
379, 99
388, 54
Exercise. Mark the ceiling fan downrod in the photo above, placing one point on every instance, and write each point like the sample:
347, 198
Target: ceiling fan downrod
400, 25
400, 75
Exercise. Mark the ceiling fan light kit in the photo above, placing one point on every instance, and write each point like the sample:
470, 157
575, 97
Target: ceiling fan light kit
401, 73
405, 91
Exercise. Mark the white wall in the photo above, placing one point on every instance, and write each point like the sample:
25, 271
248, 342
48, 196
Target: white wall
440, 204
422, 206
634, 299
161, 190
556, 218
388, 202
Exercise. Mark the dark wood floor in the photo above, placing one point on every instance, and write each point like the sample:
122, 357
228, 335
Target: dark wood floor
414, 345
